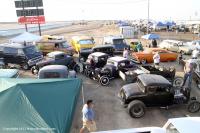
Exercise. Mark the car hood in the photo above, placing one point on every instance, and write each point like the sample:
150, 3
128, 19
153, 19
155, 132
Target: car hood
45, 61
34, 55
132, 89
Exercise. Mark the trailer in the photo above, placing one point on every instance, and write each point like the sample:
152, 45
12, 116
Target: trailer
128, 32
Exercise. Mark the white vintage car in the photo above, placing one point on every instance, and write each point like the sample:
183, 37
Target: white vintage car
176, 46
175, 125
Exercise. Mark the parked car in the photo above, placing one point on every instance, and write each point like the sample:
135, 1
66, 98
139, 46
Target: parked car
173, 125
117, 41
147, 55
194, 44
80, 43
56, 71
21, 54
56, 58
111, 69
9, 73
108, 49
154, 90
99, 59
176, 46
55, 45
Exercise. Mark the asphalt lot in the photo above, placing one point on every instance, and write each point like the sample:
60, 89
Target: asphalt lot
110, 114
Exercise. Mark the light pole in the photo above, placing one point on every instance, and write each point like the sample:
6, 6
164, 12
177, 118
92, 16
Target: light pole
148, 18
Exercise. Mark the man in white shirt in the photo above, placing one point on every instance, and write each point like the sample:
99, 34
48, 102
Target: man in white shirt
125, 53
195, 53
156, 58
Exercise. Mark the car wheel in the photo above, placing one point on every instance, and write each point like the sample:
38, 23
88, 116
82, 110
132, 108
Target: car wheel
178, 81
143, 61
193, 106
104, 80
33, 70
25, 66
136, 109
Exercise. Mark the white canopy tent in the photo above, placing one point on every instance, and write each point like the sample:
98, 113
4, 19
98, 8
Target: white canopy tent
26, 37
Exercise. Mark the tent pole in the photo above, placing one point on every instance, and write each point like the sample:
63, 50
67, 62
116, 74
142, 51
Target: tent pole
83, 98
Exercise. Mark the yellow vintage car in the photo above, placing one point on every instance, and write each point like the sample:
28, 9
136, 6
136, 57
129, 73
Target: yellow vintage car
82, 43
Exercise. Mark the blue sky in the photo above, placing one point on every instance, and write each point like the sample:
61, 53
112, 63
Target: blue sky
110, 9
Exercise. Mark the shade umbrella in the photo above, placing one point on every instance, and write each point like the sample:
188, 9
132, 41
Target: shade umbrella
26, 37
151, 36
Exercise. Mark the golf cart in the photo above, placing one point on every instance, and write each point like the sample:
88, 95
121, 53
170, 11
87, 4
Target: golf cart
154, 90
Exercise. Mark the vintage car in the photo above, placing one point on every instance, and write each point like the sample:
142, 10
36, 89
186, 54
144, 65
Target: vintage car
56, 58
82, 43
154, 90
9, 73
176, 46
111, 70
147, 55
99, 59
56, 71
130, 76
173, 125
108, 49
117, 41
55, 45
25, 55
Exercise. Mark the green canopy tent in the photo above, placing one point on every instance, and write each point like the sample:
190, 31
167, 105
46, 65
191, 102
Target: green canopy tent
42, 106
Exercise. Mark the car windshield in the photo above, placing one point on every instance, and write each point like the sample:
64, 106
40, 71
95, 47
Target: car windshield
141, 86
65, 45
118, 41
82, 42
30, 50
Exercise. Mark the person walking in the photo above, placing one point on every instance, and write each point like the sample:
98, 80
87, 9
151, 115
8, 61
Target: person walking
88, 117
156, 59
195, 53
125, 53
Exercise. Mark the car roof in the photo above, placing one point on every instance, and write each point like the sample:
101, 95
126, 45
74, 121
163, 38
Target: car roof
103, 46
153, 80
8, 73
77, 38
54, 68
55, 53
173, 41
98, 54
15, 45
117, 59
185, 124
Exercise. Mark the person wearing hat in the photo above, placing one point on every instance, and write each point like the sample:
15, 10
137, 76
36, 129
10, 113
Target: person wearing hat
88, 117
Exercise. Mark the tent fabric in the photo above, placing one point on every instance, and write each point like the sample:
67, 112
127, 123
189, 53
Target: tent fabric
38, 105
151, 36
26, 37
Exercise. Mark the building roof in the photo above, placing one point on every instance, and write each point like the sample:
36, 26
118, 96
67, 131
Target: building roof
15, 45
117, 58
153, 80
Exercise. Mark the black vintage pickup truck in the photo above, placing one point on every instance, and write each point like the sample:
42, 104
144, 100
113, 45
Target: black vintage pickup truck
169, 73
